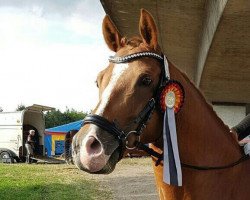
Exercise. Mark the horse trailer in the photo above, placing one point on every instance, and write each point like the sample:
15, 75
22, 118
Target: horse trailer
14, 130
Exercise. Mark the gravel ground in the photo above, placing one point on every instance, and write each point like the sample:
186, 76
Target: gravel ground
132, 179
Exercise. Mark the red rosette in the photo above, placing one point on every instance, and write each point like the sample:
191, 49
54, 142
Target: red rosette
177, 89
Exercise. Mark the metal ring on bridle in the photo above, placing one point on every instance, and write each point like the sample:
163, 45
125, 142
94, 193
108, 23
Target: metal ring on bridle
129, 133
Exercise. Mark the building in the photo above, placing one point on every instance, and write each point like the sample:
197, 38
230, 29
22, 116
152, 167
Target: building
207, 39
54, 137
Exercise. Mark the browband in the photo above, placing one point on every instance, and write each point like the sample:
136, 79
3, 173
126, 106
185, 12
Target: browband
130, 57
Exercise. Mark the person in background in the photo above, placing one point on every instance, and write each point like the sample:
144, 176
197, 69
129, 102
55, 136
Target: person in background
241, 131
29, 145
68, 148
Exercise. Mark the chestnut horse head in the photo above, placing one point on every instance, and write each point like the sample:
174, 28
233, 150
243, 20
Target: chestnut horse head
128, 90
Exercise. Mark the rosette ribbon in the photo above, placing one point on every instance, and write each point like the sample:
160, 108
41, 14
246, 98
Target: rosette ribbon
172, 173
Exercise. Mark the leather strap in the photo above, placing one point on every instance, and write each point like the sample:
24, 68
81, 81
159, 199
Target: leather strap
131, 57
104, 124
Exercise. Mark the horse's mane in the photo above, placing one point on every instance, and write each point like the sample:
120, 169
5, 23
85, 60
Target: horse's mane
133, 41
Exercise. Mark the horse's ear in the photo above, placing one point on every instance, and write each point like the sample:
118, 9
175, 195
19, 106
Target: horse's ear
111, 35
148, 29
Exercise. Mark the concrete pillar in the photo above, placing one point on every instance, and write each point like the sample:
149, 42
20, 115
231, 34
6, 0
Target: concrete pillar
213, 12
248, 109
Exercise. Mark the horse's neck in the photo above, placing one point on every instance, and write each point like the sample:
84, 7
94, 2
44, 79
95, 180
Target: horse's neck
203, 138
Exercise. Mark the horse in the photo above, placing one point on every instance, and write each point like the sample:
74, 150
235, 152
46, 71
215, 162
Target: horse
128, 87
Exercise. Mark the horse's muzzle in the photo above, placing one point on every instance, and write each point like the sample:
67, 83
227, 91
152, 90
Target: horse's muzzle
93, 151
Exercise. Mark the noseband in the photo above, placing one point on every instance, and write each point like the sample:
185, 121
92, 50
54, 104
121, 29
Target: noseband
113, 127
142, 118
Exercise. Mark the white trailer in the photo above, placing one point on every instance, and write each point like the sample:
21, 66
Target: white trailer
14, 129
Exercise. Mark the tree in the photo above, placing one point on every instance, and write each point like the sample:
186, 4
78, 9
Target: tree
1, 110
56, 117
20, 107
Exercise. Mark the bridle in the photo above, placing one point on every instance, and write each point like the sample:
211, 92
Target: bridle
143, 117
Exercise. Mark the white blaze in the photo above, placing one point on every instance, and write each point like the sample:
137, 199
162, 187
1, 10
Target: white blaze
118, 70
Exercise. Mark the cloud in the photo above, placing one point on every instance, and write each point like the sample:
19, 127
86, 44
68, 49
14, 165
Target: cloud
54, 75
70, 20
51, 52
57, 8
80, 26
17, 27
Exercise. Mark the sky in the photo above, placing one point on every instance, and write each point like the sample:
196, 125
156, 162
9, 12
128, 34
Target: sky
51, 53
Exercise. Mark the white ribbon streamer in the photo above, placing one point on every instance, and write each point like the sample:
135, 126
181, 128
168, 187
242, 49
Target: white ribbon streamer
172, 173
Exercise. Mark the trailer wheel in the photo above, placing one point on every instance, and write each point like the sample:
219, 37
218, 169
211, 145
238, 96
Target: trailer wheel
17, 159
5, 157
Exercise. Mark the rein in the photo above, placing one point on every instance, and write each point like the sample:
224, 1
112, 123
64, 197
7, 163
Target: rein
242, 159
142, 119
159, 157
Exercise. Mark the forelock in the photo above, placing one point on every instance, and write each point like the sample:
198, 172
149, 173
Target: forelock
134, 41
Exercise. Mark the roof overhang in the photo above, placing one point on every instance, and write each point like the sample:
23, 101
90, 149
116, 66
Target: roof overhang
208, 40
41, 108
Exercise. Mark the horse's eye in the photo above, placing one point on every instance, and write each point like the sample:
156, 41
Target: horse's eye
146, 81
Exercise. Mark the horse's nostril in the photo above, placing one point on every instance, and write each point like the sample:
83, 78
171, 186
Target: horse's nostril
93, 146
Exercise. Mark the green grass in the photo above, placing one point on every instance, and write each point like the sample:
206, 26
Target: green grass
24, 182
